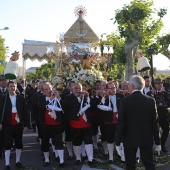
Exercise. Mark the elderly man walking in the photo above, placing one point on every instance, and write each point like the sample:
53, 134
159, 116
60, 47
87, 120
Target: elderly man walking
138, 125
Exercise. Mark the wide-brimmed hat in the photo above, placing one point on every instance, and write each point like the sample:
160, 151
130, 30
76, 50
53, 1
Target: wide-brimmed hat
34, 81
2, 77
158, 81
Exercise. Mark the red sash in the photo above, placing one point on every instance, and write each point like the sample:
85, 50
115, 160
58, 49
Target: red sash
49, 120
114, 121
13, 122
81, 123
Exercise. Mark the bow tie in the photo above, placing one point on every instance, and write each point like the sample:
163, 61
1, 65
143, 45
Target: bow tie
3, 90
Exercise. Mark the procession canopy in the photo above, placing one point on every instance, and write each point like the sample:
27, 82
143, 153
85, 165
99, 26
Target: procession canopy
80, 31
37, 50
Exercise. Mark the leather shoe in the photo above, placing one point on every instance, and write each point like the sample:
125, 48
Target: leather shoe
57, 159
63, 164
7, 167
78, 162
164, 149
46, 164
93, 162
19, 165
110, 162
69, 158
137, 160
84, 158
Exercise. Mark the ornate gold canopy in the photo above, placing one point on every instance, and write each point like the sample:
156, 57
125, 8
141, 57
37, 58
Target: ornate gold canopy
80, 31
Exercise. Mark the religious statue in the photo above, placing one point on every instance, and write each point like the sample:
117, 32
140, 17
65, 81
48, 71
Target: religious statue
12, 68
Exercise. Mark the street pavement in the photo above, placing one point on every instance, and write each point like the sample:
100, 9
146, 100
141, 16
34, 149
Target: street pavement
32, 158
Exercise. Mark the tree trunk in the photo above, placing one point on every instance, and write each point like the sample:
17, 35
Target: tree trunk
129, 58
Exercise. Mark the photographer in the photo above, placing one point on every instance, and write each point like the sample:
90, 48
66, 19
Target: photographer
162, 102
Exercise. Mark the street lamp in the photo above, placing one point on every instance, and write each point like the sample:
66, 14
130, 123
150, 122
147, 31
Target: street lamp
150, 52
5, 28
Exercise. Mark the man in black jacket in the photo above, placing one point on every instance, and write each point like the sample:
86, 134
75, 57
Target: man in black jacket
13, 115
50, 122
138, 125
162, 103
3, 85
110, 99
79, 120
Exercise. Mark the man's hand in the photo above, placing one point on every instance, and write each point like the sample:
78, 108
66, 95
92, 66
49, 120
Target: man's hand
153, 91
33, 122
57, 94
25, 129
0, 127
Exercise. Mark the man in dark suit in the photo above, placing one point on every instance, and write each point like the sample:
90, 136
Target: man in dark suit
3, 84
138, 125
162, 103
112, 100
80, 122
66, 125
50, 122
148, 86
13, 115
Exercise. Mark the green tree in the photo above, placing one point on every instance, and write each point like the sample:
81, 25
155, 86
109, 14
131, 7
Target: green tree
2, 54
45, 71
137, 26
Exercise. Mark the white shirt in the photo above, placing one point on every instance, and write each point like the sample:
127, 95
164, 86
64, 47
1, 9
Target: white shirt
3, 89
113, 100
79, 100
135, 91
146, 89
13, 101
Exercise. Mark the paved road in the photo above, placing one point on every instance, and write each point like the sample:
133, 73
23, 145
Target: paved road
32, 159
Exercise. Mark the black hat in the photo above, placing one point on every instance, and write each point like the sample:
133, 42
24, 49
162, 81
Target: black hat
33, 81
2, 77
158, 81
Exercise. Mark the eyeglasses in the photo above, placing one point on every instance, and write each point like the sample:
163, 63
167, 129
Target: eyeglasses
112, 88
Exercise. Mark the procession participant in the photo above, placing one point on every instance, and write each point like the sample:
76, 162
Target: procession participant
13, 114
20, 87
138, 125
97, 120
124, 88
34, 109
50, 122
162, 103
68, 137
112, 100
109, 79
77, 108
101, 122
3, 85
148, 86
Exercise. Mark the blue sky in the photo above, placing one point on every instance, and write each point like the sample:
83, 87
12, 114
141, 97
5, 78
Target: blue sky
42, 20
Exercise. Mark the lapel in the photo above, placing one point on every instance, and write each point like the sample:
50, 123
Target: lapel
107, 102
74, 100
18, 103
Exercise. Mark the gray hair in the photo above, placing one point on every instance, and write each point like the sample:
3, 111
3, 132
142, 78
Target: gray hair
137, 81
41, 83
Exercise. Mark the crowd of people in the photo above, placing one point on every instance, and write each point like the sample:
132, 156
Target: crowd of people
126, 116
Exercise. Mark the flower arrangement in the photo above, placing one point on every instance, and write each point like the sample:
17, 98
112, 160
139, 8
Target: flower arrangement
81, 75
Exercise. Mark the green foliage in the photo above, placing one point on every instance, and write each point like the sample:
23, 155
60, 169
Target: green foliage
2, 53
45, 71
135, 21
31, 76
